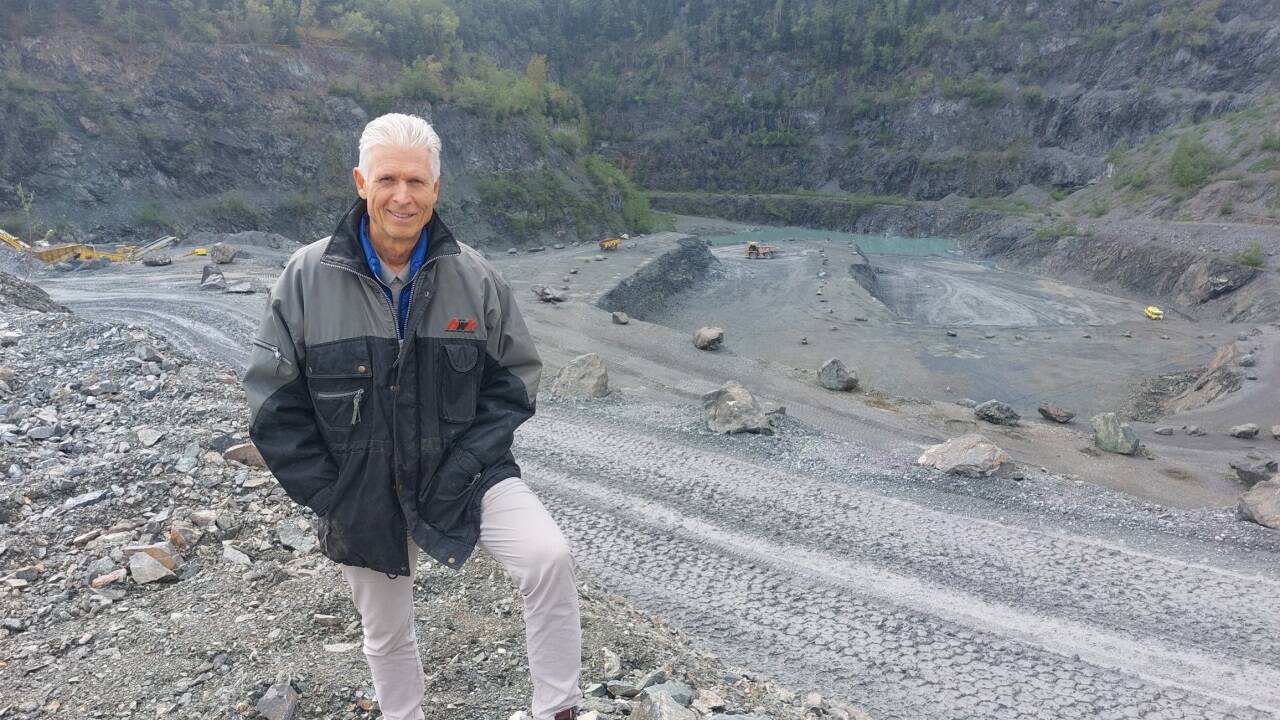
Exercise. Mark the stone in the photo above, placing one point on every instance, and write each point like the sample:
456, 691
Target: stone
967, 403
1114, 436
146, 569
106, 579
1245, 432
212, 279
708, 338
660, 706
147, 353
1252, 472
245, 454
622, 689
547, 295
708, 701
88, 498
341, 647
279, 702
297, 535
655, 677
235, 556
204, 518
619, 318
512, 251
833, 375
1196, 431
1049, 411
678, 691
1261, 504
612, 664
166, 553
1275, 431
222, 253
157, 260
244, 287
184, 535
1163, 430
997, 413
582, 378
733, 409
42, 432
969, 455
326, 620
1249, 360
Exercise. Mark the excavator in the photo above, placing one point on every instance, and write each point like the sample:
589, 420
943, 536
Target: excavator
54, 254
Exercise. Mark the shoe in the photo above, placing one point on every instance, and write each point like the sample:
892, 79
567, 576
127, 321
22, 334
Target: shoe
566, 714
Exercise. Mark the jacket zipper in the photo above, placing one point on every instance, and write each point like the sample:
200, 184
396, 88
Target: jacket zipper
275, 351
356, 397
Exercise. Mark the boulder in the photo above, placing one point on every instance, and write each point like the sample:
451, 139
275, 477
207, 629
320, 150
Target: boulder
1261, 504
547, 295
244, 287
212, 279
733, 409
1196, 431
708, 338
146, 569
1252, 472
245, 454
297, 535
279, 702
583, 378
1163, 430
660, 706
1247, 431
1114, 436
1275, 431
620, 318
1249, 360
997, 413
678, 691
969, 455
834, 376
157, 260
222, 253
1049, 411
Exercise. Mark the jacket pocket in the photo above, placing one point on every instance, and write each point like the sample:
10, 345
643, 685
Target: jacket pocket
339, 410
443, 502
340, 378
459, 381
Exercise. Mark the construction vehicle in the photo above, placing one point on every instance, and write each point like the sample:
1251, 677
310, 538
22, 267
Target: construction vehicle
610, 243
1153, 313
54, 254
756, 250
199, 252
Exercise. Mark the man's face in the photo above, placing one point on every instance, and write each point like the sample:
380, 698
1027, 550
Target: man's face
399, 191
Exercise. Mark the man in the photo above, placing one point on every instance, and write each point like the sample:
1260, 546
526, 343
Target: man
390, 372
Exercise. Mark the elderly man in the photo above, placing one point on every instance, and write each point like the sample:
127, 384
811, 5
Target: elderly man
390, 372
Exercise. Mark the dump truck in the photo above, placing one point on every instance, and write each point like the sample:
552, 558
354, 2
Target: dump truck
756, 250
610, 243
1153, 313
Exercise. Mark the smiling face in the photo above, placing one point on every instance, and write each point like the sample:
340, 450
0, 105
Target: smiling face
400, 192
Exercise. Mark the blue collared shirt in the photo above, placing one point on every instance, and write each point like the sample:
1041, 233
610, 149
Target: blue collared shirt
375, 265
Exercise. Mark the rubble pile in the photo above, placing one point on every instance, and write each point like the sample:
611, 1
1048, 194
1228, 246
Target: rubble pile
151, 567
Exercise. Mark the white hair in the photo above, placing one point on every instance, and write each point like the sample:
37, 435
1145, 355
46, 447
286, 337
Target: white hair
401, 131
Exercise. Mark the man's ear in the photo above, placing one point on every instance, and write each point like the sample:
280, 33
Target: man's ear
359, 180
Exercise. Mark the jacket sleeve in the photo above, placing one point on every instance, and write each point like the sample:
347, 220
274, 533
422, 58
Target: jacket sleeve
282, 420
508, 386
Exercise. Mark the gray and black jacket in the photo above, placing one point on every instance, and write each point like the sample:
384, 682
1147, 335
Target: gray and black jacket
381, 436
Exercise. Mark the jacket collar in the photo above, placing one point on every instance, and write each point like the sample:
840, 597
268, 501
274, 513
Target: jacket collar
345, 249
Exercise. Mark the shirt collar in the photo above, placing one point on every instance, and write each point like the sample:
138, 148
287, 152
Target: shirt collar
375, 263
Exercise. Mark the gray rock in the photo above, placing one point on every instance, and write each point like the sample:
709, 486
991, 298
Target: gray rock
144, 569
1196, 431
708, 338
622, 689
1049, 411
157, 260
245, 454
243, 287
297, 535
656, 677
1114, 436
547, 295
89, 498
967, 402
834, 376
234, 556
678, 691
1275, 430
149, 437
583, 378
619, 318
1261, 504
513, 251
1163, 430
997, 413
43, 432
279, 702
1252, 472
660, 706
1246, 431
733, 409
1249, 360
222, 253
212, 279
969, 455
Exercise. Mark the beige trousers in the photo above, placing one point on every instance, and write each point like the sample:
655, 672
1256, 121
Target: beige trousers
516, 530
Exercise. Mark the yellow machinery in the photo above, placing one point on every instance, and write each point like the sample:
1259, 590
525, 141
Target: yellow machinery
610, 243
53, 254
200, 252
756, 250
1153, 313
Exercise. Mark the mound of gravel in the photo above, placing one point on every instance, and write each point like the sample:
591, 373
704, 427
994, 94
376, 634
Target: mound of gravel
20, 293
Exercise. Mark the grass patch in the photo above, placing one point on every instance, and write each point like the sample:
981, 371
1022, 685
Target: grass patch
1252, 256
1193, 161
1064, 228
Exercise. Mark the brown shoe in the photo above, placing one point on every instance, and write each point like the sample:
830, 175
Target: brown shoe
567, 714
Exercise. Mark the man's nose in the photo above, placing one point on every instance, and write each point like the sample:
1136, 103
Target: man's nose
402, 194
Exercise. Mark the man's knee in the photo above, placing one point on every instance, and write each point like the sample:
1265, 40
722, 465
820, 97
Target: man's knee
385, 635
546, 558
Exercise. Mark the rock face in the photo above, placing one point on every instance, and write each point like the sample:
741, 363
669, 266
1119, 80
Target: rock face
733, 409
997, 413
708, 338
1252, 472
969, 455
833, 375
1114, 436
222, 253
583, 378
212, 279
1246, 432
1220, 378
1052, 412
1262, 504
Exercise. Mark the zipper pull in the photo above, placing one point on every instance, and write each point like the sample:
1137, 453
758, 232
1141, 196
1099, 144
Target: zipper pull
355, 406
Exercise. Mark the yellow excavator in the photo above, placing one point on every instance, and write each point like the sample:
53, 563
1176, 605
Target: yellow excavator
53, 254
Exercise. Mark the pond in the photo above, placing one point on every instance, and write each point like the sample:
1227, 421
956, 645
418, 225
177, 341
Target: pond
870, 244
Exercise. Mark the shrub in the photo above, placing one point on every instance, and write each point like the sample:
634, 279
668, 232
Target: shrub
1253, 256
1032, 96
1065, 228
980, 90
150, 215
1271, 142
1228, 207
1192, 162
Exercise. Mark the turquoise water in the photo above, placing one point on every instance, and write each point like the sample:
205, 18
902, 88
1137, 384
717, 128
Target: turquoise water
870, 244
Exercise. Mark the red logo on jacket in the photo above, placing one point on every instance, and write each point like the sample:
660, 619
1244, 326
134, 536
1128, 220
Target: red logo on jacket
459, 325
